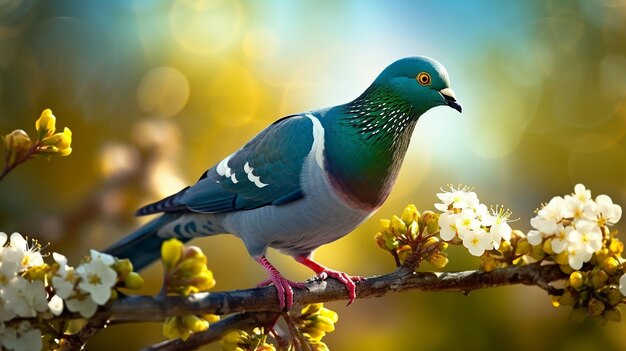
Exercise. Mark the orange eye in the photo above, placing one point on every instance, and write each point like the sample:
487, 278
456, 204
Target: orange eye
423, 78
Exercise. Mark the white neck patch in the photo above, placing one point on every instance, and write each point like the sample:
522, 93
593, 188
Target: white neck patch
318, 140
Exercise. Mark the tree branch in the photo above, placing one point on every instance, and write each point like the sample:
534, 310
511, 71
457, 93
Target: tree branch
259, 306
156, 309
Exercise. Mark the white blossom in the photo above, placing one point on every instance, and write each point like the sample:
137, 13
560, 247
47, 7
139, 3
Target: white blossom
574, 224
64, 279
464, 216
56, 305
467, 222
82, 304
458, 198
447, 223
97, 278
534, 237
560, 240
22, 337
25, 298
577, 254
588, 235
476, 241
32, 254
104, 257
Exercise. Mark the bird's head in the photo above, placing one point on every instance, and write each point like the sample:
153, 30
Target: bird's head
420, 81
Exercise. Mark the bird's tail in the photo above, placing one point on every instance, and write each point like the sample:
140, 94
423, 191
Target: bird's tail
143, 246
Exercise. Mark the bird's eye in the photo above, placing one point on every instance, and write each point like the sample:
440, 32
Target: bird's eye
423, 78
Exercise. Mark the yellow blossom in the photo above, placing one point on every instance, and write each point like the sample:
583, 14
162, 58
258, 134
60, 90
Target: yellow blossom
46, 124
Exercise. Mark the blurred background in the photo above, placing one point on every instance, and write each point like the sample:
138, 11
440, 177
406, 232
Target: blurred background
156, 92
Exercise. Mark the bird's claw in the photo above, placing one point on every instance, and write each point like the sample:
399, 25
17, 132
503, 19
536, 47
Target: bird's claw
343, 278
284, 289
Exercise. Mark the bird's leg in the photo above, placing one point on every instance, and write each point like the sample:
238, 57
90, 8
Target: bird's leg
282, 284
324, 272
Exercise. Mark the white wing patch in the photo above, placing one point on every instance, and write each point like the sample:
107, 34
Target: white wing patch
318, 140
222, 167
251, 177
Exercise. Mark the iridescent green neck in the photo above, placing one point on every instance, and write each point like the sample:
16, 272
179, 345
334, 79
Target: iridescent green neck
366, 144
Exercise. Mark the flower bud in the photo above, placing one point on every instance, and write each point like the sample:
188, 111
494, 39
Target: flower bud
171, 252
211, 318
397, 226
18, 143
523, 247
616, 246
410, 214
430, 242
430, 221
488, 263
567, 299
413, 229
59, 143
133, 281
123, 267
192, 251
403, 253
235, 337
171, 328
194, 323
316, 333
505, 246
600, 256
329, 314
566, 268
438, 259
576, 280
595, 307
380, 241
311, 309
614, 296
189, 267
46, 124
609, 265
114, 295
598, 279
204, 280
561, 258
547, 246
391, 243
324, 323
442, 246
538, 254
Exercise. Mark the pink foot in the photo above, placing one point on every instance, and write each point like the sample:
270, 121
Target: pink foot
325, 272
283, 285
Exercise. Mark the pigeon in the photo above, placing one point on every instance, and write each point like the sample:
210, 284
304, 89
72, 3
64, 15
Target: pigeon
306, 180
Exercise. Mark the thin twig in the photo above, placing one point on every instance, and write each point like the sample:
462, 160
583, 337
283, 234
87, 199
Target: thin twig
243, 321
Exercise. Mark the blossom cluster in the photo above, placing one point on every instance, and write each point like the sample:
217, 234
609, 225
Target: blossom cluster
478, 227
186, 273
574, 226
20, 296
412, 235
312, 323
30, 288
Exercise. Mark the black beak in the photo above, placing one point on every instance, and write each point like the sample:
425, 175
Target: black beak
448, 94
